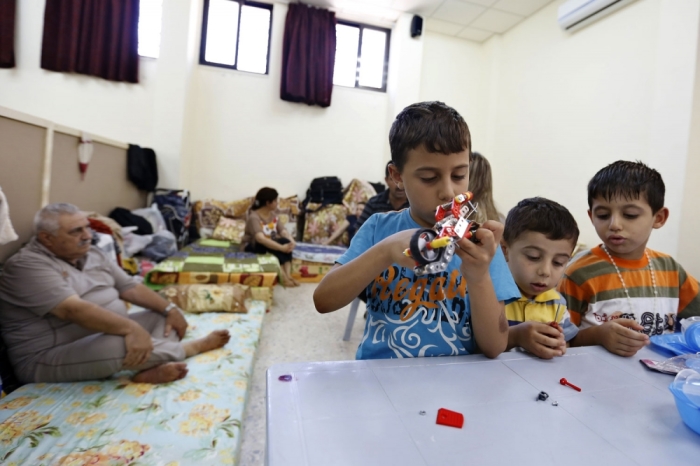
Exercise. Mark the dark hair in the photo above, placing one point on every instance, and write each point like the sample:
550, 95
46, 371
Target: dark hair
542, 216
264, 196
629, 180
436, 126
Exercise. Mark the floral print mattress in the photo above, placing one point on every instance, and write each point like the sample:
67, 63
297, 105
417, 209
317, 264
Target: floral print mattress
210, 261
318, 253
193, 421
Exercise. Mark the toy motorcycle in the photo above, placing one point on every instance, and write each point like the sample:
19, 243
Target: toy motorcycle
433, 248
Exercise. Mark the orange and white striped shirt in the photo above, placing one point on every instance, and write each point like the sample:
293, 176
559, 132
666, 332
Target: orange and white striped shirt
594, 293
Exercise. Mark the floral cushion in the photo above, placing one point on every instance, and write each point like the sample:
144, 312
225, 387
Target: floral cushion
357, 192
193, 421
230, 229
208, 212
322, 223
208, 298
289, 205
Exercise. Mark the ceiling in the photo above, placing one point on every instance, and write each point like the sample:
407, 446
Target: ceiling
475, 20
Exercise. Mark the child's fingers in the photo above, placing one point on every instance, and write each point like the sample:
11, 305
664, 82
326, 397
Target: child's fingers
495, 227
547, 329
628, 341
629, 323
486, 244
627, 328
550, 342
398, 243
546, 352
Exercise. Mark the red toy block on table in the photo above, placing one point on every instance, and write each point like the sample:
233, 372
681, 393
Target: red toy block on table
446, 417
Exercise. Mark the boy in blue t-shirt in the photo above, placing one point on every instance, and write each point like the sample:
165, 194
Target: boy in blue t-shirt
455, 312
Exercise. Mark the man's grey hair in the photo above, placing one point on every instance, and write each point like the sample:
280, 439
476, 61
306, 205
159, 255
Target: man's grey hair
47, 218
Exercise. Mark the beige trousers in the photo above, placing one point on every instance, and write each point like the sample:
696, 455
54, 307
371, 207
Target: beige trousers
100, 355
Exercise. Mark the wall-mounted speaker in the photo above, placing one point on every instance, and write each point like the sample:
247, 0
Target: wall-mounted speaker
416, 26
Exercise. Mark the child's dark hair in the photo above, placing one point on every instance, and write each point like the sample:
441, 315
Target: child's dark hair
629, 180
438, 127
264, 196
542, 216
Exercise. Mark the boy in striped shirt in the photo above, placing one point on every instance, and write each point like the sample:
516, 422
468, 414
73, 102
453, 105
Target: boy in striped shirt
538, 240
621, 293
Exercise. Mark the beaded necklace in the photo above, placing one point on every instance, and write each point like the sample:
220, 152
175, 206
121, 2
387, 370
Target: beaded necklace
619, 275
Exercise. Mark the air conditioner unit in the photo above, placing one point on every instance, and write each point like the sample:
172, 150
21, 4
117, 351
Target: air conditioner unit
575, 14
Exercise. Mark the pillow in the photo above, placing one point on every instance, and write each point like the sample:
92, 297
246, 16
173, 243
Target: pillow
357, 192
208, 212
208, 298
230, 229
238, 209
322, 223
289, 205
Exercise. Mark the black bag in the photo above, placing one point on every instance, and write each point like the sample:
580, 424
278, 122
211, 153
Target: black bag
325, 190
141, 166
176, 208
125, 218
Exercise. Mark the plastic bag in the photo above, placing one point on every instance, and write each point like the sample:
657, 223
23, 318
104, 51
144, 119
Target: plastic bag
134, 244
675, 364
163, 245
154, 217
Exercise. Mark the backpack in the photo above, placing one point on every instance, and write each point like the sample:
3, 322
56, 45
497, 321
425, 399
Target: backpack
176, 209
325, 190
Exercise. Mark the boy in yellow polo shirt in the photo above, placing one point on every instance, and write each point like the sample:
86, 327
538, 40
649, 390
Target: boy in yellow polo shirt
539, 238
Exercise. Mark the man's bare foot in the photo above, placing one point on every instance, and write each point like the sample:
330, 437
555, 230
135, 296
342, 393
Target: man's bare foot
296, 283
214, 340
164, 373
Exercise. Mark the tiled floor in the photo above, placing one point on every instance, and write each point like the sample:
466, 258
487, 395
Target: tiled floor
293, 332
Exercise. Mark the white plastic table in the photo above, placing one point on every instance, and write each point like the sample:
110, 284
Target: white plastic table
369, 412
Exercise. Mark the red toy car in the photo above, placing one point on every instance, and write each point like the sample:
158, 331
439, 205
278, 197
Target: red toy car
432, 249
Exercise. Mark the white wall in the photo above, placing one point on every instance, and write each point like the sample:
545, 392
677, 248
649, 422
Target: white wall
242, 136
689, 252
453, 72
116, 110
568, 104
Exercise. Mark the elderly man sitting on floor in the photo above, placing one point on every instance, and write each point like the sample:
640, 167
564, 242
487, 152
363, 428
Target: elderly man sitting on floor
63, 319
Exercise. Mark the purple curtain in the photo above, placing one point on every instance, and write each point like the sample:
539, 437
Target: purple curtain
7, 33
308, 55
94, 37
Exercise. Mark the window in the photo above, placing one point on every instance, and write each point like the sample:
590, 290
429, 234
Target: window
236, 35
150, 16
361, 56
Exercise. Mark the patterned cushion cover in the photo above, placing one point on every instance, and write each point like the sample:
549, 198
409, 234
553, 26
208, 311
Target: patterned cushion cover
230, 229
322, 223
357, 192
207, 298
208, 212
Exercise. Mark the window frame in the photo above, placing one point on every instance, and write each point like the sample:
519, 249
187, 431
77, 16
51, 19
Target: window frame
203, 41
385, 70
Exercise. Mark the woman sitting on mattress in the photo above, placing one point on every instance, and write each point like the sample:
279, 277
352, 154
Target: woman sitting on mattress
265, 233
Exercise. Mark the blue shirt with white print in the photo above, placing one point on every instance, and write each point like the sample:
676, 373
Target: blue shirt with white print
410, 316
